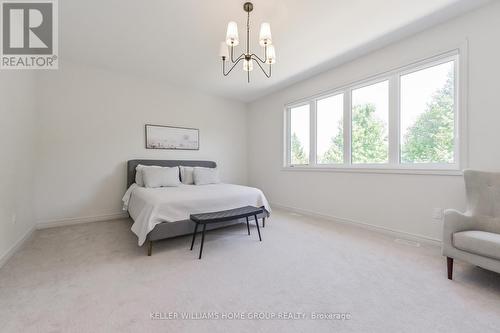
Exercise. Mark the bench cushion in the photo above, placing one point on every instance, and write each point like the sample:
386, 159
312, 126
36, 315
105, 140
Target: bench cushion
478, 242
226, 215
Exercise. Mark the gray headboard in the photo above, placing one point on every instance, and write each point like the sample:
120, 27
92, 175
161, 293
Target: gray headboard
131, 164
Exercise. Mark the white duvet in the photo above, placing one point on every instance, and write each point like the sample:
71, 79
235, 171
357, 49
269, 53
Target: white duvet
151, 206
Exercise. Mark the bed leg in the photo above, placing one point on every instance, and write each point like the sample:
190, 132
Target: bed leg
150, 248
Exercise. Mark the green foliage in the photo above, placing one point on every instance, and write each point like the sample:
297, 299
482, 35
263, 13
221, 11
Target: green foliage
298, 155
369, 138
430, 139
335, 152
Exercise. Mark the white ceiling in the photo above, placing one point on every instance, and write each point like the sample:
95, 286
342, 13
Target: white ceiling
177, 41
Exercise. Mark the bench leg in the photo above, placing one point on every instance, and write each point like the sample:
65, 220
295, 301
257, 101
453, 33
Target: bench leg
248, 226
202, 240
194, 236
150, 248
449, 262
258, 229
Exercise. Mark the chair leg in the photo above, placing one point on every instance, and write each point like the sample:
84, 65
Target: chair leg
264, 222
449, 262
150, 248
194, 236
248, 226
202, 239
258, 229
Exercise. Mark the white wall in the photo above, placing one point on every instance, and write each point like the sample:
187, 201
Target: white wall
398, 202
92, 121
17, 147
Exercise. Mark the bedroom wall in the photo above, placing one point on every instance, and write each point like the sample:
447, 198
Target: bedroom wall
17, 146
393, 201
92, 122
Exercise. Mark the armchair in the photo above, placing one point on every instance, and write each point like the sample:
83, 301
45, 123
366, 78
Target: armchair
474, 236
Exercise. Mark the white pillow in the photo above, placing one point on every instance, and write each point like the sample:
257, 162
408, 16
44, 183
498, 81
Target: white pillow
138, 173
187, 175
160, 177
203, 176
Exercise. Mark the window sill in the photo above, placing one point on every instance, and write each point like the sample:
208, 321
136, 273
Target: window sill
377, 169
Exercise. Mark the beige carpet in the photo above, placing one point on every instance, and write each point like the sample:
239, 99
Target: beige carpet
94, 278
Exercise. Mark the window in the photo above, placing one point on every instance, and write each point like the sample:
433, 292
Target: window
330, 130
370, 122
299, 135
404, 119
427, 115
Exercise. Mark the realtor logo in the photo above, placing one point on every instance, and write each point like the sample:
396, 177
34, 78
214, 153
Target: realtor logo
29, 34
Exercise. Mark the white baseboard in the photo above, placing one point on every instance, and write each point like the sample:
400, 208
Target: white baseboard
17, 245
384, 230
79, 220
56, 223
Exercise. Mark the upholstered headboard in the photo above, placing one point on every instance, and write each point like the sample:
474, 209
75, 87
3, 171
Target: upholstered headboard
131, 165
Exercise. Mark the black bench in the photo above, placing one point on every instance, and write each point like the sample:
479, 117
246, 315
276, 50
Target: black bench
223, 216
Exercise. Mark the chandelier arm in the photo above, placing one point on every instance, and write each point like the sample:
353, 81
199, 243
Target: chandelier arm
232, 56
264, 71
256, 57
230, 69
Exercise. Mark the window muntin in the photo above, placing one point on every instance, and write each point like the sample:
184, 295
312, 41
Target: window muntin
370, 123
299, 135
396, 117
330, 130
427, 115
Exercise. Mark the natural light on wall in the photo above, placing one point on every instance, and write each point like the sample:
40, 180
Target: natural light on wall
406, 118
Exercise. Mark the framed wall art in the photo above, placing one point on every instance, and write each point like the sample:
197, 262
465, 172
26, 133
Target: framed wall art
171, 137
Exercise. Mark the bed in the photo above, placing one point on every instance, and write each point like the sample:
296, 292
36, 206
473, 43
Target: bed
161, 213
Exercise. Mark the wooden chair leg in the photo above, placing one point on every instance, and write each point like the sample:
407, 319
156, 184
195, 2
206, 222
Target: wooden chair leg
150, 248
449, 262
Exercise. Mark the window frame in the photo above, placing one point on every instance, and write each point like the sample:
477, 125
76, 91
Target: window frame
394, 164
288, 124
360, 86
315, 134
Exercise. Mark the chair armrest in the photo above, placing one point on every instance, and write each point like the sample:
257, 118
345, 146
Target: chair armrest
455, 221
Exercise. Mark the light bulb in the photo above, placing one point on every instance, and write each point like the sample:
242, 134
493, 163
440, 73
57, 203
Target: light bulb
271, 55
247, 65
224, 52
232, 34
265, 37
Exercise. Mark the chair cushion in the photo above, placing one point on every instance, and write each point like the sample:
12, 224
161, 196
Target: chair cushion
478, 242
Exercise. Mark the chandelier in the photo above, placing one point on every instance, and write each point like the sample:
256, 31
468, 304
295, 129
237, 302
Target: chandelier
232, 40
